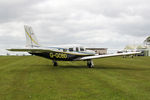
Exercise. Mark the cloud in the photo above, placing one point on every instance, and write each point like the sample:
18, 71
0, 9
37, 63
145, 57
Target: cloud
97, 23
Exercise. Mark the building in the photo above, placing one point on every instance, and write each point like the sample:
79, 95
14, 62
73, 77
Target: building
143, 48
146, 47
144, 51
100, 51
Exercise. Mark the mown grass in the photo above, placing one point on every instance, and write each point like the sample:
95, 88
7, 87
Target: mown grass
34, 78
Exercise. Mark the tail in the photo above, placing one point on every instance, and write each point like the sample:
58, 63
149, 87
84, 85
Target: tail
31, 40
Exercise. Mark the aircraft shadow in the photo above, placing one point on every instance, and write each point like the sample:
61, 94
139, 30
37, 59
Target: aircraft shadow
80, 67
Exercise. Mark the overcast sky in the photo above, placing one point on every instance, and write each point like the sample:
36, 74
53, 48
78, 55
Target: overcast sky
96, 23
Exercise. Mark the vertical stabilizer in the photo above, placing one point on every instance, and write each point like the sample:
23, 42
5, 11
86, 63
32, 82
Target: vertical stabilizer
31, 40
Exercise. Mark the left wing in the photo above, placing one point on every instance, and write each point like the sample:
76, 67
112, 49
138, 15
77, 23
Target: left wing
108, 55
31, 50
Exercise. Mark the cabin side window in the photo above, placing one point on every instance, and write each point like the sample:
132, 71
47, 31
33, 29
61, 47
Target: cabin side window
77, 49
81, 49
71, 49
64, 50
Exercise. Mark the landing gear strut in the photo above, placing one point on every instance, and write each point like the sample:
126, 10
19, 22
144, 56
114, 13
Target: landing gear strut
55, 63
90, 63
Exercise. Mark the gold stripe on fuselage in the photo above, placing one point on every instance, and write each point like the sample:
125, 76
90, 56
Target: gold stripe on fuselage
31, 38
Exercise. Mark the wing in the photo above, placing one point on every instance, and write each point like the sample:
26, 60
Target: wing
32, 50
108, 55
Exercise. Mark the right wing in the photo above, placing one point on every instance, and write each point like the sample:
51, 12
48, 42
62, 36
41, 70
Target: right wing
108, 55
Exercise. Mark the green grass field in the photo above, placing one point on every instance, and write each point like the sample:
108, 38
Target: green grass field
34, 78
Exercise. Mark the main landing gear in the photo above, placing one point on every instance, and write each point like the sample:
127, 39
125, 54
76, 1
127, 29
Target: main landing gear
90, 63
55, 63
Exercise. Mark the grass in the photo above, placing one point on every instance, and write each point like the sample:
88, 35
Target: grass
34, 78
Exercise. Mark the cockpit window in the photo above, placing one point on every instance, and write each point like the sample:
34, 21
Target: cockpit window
81, 49
70, 49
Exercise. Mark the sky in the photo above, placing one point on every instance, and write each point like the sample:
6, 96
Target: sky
91, 23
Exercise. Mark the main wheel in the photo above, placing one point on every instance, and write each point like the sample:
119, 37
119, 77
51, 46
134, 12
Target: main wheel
55, 63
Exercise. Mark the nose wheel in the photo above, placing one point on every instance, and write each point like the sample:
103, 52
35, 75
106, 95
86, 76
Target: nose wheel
55, 63
90, 63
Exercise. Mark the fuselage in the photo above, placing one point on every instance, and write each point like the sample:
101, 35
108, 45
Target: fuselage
64, 54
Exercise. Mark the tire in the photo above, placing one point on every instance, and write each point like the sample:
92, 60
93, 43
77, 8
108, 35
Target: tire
55, 63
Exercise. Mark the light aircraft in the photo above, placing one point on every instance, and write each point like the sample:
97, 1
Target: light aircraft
72, 53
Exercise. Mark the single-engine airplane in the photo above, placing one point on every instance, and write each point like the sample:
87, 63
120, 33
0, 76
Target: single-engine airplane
72, 53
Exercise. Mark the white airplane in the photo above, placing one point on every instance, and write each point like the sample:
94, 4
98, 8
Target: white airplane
72, 53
